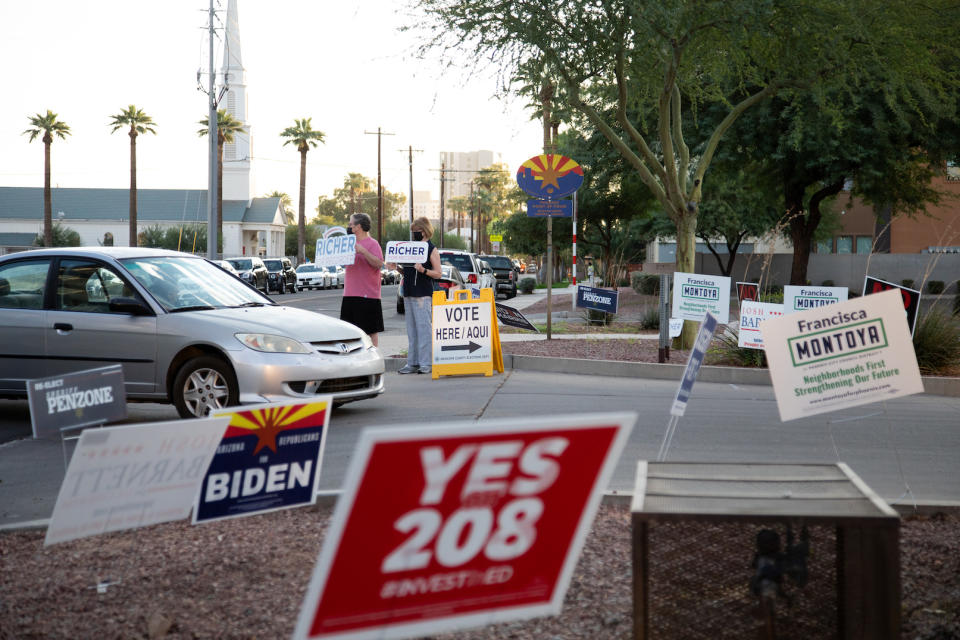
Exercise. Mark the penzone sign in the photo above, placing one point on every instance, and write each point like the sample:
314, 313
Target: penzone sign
461, 524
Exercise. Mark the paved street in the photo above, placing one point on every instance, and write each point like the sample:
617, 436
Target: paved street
908, 443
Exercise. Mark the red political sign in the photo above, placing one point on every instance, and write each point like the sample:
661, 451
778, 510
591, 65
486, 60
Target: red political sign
458, 525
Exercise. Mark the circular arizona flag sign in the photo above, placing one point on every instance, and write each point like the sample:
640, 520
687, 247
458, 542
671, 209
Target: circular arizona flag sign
550, 176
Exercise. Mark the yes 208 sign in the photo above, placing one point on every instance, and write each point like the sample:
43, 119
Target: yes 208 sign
460, 525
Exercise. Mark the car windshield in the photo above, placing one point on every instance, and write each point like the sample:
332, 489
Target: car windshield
307, 268
187, 284
460, 260
332, 269
242, 264
273, 265
499, 262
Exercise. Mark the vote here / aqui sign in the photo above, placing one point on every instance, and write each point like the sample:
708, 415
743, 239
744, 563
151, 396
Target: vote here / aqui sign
465, 336
459, 525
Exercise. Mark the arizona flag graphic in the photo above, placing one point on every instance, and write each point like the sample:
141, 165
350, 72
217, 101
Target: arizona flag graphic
268, 459
550, 176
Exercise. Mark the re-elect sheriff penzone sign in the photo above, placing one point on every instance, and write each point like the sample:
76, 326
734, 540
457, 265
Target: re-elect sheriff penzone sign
842, 355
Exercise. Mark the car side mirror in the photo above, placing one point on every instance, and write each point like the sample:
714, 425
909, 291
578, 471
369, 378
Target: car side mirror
129, 305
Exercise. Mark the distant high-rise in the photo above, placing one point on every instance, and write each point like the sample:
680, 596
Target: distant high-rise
237, 176
462, 167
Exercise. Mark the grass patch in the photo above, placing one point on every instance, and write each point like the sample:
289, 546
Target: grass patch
563, 284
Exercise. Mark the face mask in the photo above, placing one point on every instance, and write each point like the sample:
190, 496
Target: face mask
418, 235
349, 231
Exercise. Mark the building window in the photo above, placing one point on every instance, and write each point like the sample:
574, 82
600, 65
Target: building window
845, 244
864, 244
825, 246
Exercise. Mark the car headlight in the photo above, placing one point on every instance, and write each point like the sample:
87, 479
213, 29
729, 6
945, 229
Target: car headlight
269, 343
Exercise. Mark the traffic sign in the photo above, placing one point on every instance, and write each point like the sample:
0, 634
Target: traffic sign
496, 237
465, 335
549, 208
460, 524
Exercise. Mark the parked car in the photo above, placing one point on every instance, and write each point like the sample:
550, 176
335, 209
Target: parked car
280, 275
505, 272
226, 266
337, 276
450, 280
252, 270
388, 276
469, 266
310, 276
184, 331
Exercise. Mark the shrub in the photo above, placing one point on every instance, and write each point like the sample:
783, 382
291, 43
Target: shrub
623, 282
650, 319
936, 341
956, 303
828, 283
935, 287
907, 282
594, 317
527, 285
645, 283
728, 351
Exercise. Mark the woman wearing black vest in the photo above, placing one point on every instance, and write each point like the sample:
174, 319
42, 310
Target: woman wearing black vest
418, 286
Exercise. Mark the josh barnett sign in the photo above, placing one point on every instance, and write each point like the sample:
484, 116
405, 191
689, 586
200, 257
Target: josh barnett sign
843, 355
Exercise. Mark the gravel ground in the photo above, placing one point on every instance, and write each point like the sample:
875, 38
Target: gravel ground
245, 578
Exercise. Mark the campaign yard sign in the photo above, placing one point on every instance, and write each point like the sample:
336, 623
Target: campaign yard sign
336, 247
513, 318
748, 291
406, 251
911, 297
797, 298
840, 356
132, 476
597, 299
73, 400
751, 315
269, 459
460, 524
676, 327
697, 354
696, 294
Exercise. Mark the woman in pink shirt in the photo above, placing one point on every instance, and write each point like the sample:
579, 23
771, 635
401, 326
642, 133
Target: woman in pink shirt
361, 288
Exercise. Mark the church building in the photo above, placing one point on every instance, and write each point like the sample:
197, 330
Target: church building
251, 226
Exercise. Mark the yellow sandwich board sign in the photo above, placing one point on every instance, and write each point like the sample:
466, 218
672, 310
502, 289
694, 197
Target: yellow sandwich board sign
465, 335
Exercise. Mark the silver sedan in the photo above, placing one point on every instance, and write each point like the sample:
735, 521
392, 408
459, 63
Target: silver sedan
184, 331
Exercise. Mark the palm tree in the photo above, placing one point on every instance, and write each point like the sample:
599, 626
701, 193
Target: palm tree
285, 205
139, 123
227, 126
49, 126
302, 135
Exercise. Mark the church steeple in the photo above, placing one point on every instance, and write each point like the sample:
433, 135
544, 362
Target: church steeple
237, 181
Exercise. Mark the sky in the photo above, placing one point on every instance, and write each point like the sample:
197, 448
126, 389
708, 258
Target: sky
344, 64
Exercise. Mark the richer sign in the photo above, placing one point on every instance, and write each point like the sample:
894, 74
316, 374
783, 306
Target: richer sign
465, 336
406, 251
460, 524
696, 294
841, 356
336, 247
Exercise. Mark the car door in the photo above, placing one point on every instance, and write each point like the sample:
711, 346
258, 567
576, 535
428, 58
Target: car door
23, 283
82, 333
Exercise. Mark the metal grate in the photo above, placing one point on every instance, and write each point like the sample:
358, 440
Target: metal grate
700, 583
338, 347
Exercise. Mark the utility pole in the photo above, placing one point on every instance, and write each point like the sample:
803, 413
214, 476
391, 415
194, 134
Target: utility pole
379, 186
410, 151
473, 204
546, 95
212, 139
443, 179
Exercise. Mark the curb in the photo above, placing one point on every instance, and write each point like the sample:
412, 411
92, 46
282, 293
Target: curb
932, 385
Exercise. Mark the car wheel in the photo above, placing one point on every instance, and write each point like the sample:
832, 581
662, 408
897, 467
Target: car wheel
202, 385
512, 293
